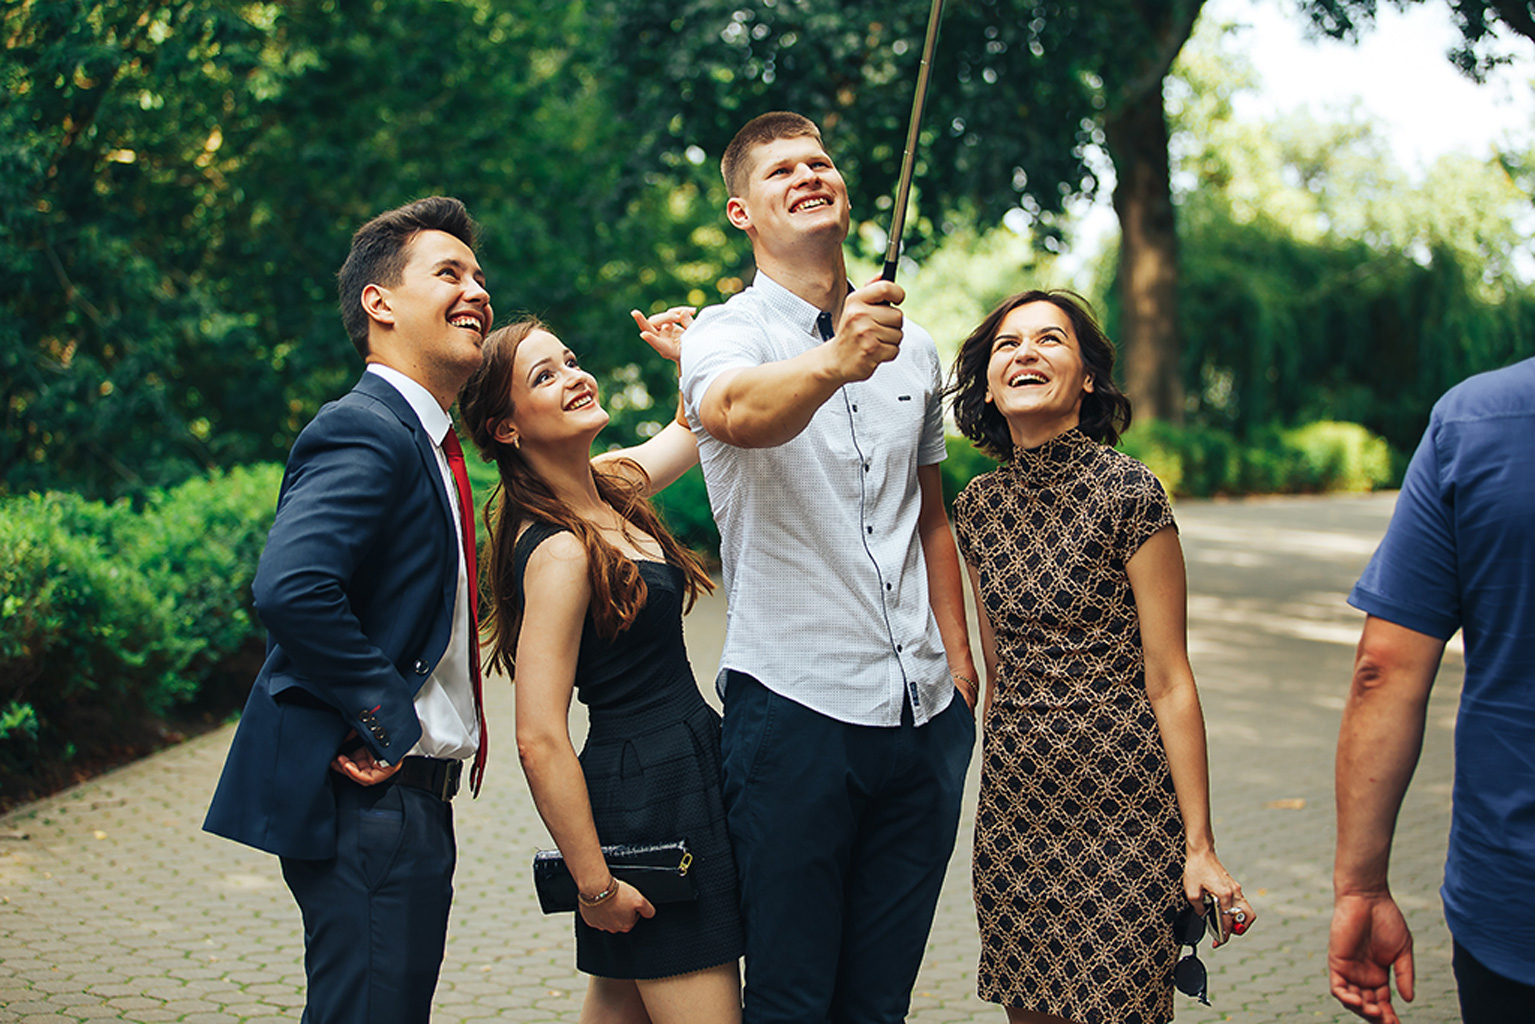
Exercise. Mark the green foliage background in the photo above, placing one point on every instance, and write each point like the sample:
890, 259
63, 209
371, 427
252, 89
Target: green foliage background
113, 619
179, 180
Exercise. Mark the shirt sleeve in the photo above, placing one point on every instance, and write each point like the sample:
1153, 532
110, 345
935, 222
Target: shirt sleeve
931, 449
962, 532
1412, 580
719, 340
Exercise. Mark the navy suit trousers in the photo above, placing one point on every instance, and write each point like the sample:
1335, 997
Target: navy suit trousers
376, 914
842, 836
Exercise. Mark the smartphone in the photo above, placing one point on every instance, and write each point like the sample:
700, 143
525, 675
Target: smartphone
1213, 919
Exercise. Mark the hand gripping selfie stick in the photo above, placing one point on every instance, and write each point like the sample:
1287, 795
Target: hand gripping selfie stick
913, 127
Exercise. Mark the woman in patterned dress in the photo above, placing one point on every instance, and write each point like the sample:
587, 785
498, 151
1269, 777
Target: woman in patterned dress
1094, 817
588, 593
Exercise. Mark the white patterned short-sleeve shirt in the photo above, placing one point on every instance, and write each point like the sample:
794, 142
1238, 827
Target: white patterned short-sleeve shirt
824, 575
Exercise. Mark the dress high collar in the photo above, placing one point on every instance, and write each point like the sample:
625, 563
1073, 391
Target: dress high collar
1056, 459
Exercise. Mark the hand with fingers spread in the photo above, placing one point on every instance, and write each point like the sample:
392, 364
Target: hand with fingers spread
1368, 944
663, 331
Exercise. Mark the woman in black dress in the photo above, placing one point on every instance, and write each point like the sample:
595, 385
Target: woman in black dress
588, 592
1093, 825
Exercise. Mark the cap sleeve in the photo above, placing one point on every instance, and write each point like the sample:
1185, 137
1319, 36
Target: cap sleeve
1144, 511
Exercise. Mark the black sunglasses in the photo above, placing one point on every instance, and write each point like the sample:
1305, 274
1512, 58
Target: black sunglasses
1189, 975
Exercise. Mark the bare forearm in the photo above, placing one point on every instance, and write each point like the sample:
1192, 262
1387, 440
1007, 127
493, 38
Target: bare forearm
559, 793
988, 636
947, 596
767, 405
665, 457
1181, 723
1379, 741
1378, 747
945, 585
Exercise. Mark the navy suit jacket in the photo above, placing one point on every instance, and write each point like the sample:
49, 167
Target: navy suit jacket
356, 588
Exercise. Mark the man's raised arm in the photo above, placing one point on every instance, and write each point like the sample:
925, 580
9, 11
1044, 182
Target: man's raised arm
767, 405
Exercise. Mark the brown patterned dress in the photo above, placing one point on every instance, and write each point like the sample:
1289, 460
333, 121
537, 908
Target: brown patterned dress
1078, 840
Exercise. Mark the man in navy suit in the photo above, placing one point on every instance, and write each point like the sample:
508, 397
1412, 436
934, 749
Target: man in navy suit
358, 726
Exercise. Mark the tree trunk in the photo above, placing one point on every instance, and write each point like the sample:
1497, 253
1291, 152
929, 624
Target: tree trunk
1147, 278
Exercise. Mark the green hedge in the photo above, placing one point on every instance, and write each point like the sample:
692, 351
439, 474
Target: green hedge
1321, 456
112, 617
1204, 461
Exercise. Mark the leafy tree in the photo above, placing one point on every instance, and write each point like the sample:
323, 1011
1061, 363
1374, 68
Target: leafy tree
1021, 90
1320, 281
109, 176
1478, 22
179, 180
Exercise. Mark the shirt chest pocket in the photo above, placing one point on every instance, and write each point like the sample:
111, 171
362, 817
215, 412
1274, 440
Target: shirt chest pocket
883, 420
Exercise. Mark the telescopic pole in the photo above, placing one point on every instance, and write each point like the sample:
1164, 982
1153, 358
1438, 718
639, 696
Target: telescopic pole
913, 127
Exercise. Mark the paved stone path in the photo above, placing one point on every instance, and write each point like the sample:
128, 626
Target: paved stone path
114, 906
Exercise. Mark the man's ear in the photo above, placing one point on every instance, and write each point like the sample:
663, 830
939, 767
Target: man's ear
736, 213
375, 303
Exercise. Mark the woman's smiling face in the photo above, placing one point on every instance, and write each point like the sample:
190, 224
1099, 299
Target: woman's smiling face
552, 396
1036, 377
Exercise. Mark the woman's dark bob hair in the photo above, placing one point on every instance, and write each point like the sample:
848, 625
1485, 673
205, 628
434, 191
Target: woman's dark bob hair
1105, 410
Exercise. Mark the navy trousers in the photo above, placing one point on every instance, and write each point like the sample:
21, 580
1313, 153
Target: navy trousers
1487, 997
376, 914
842, 835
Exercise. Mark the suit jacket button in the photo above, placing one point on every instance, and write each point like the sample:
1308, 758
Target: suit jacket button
422, 668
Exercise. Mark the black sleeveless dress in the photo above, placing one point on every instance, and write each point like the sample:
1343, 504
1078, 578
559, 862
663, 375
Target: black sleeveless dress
652, 767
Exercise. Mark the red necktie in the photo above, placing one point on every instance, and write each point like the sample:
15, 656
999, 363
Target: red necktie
455, 453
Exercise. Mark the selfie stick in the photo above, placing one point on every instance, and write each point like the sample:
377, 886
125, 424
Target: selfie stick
909, 159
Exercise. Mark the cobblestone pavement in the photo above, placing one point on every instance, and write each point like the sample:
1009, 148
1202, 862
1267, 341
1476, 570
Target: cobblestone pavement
114, 906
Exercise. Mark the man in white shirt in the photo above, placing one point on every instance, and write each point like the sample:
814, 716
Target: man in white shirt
358, 726
819, 423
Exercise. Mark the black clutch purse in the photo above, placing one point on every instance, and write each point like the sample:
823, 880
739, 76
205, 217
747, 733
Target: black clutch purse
661, 871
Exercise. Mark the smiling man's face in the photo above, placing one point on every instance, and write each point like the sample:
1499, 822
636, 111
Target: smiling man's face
440, 306
792, 190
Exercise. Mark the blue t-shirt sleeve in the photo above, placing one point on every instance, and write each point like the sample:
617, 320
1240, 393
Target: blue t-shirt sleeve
1413, 580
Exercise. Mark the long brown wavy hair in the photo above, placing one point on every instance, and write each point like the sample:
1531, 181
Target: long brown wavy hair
618, 590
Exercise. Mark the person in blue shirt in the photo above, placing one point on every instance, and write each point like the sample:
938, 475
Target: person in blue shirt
1459, 554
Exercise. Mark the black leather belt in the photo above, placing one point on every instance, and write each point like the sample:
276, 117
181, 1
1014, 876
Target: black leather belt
437, 775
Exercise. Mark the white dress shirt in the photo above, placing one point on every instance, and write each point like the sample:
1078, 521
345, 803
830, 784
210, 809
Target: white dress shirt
445, 703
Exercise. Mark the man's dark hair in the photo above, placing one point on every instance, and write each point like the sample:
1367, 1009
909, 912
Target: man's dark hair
381, 248
759, 131
1105, 410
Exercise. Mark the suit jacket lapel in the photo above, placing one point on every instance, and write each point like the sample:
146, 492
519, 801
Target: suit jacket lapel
377, 387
